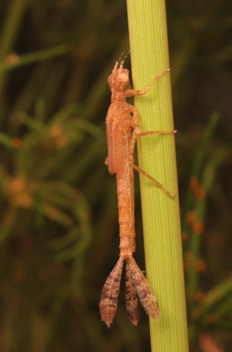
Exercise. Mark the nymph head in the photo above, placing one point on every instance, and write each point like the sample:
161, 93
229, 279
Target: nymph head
119, 78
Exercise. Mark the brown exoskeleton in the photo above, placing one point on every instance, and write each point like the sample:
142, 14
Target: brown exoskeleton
122, 131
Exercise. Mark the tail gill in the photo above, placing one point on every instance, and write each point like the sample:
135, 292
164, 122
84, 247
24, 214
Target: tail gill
136, 283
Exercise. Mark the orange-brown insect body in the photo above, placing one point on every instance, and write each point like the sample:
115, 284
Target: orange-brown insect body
122, 131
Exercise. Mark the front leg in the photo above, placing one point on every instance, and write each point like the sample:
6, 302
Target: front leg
132, 92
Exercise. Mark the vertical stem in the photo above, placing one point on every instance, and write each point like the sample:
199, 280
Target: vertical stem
161, 219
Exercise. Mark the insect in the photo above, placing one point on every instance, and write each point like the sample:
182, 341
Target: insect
122, 131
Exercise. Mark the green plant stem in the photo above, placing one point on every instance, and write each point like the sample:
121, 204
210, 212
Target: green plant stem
161, 218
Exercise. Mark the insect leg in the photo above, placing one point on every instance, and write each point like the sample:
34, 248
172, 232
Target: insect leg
131, 92
144, 91
155, 132
136, 132
153, 179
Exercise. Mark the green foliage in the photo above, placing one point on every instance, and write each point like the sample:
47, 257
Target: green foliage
211, 309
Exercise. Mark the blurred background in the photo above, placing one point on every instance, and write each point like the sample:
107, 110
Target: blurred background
58, 219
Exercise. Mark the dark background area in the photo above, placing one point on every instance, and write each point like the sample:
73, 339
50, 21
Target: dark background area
59, 229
